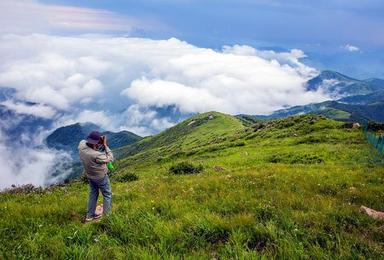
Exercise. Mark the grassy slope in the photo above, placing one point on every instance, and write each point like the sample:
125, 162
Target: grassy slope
207, 128
291, 188
334, 114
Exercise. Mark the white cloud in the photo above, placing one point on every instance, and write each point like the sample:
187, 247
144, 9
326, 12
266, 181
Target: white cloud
161, 93
351, 48
38, 110
31, 164
31, 16
88, 116
137, 119
142, 121
90, 72
291, 58
52, 78
234, 82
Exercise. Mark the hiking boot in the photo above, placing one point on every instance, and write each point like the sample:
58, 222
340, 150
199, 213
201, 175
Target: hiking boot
95, 217
88, 219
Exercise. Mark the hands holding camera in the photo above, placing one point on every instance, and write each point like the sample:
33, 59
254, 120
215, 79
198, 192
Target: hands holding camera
103, 140
104, 143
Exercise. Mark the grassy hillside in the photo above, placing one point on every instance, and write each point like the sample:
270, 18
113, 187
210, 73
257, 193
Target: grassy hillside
287, 188
335, 114
199, 130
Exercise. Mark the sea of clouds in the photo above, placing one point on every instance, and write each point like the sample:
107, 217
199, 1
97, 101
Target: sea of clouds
121, 83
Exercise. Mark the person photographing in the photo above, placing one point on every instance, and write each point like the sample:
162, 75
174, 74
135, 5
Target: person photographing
95, 165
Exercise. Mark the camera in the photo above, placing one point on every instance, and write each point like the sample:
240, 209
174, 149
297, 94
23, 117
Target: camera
101, 142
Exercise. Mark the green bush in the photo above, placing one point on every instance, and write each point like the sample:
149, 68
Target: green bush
185, 168
374, 126
310, 139
295, 158
127, 177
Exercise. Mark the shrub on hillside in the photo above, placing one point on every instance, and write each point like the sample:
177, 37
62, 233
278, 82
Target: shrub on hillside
127, 177
347, 125
185, 168
295, 158
374, 126
258, 125
23, 189
311, 139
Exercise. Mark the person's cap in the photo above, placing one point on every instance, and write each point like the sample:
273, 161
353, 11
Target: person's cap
93, 137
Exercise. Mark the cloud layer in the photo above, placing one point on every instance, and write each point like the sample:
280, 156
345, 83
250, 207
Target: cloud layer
351, 48
30, 166
97, 77
31, 163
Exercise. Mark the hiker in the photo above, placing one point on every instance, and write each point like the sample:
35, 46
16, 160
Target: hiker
95, 166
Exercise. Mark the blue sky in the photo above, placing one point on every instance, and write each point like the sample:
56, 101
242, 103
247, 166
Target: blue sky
322, 29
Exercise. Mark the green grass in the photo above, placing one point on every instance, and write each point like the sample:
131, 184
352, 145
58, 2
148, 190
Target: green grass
334, 113
288, 188
199, 130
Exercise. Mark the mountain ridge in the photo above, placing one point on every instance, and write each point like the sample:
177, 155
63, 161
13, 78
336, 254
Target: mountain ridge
68, 137
353, 100
339, 85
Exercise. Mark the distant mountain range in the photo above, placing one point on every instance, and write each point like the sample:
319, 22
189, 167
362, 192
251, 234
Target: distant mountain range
338, 85
355, 100
68, 137
352, 100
